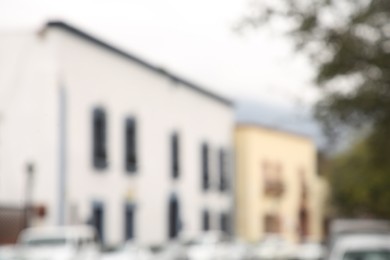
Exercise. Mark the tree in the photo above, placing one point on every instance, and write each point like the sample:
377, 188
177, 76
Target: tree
360, 188
347, 41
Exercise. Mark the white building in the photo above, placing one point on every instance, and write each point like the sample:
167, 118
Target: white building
112, 139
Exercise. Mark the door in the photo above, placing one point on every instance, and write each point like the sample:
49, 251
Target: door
98, 220
173, 218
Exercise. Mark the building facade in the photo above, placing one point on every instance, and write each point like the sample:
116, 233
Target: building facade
277, 187
92, 134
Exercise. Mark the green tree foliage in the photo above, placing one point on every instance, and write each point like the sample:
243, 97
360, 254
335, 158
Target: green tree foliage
359, 186
348, 42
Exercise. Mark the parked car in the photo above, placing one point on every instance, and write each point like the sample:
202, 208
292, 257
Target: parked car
173, 250
129, 251
274, 247
235, 250
62, 243
361, 247
310, 251
209, 246
7, 252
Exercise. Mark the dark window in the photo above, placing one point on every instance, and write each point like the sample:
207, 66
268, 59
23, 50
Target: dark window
205, 167
225, 223
98, 220
175, 148
273, 179
99, 125
223, 177
206, 220
272, 224
130, 145
129, 221
304, 223
174, 222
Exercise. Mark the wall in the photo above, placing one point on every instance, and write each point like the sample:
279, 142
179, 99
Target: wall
36, 67
94, 77
28, 121
256, 145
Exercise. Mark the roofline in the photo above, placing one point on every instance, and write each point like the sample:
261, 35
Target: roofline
127, 55
275, 129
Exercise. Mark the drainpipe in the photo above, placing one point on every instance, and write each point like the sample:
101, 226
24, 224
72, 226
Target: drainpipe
62, 157
29, 192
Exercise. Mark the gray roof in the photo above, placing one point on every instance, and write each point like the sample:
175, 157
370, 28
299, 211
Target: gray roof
133, 58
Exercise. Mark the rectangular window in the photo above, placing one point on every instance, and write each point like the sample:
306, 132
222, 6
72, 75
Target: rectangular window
205, 167
206, 220
99, 134
130, 145
175, 148
223, 178
225, 223
272, 179
129, 221
304, 223
272, 224
174, 219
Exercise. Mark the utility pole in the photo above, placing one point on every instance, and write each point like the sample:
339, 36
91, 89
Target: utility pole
29, 192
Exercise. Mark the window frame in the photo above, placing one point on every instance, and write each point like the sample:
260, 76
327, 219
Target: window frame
175, 155
223, 170
100, 232
130, 143
129, 208
99, 138
205, 166
206, 224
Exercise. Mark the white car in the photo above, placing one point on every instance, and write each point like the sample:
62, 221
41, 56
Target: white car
7, 252
62, 243
129, 251
274, 247
236, 250
310, 251
173, 250
361, 247
208, 247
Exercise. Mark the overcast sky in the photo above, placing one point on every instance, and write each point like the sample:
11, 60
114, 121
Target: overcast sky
192, 38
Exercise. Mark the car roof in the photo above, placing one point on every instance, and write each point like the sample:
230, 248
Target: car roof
364, 241
67, 231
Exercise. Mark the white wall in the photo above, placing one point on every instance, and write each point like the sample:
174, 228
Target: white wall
34, 66
94, 77
28, 120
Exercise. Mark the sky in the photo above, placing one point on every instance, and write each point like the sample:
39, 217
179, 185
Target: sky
259, 70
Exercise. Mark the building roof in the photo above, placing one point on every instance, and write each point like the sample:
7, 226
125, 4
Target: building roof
86, 36
273, 129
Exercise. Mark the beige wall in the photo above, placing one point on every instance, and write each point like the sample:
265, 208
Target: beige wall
257, 146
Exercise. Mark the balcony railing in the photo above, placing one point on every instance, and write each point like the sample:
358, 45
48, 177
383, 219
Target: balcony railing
274, 188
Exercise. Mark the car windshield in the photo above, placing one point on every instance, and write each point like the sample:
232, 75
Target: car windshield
52, 241
368, 255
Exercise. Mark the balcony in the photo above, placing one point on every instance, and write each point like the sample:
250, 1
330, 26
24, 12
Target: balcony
274, 188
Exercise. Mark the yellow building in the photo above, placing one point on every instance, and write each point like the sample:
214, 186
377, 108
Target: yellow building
278, 190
